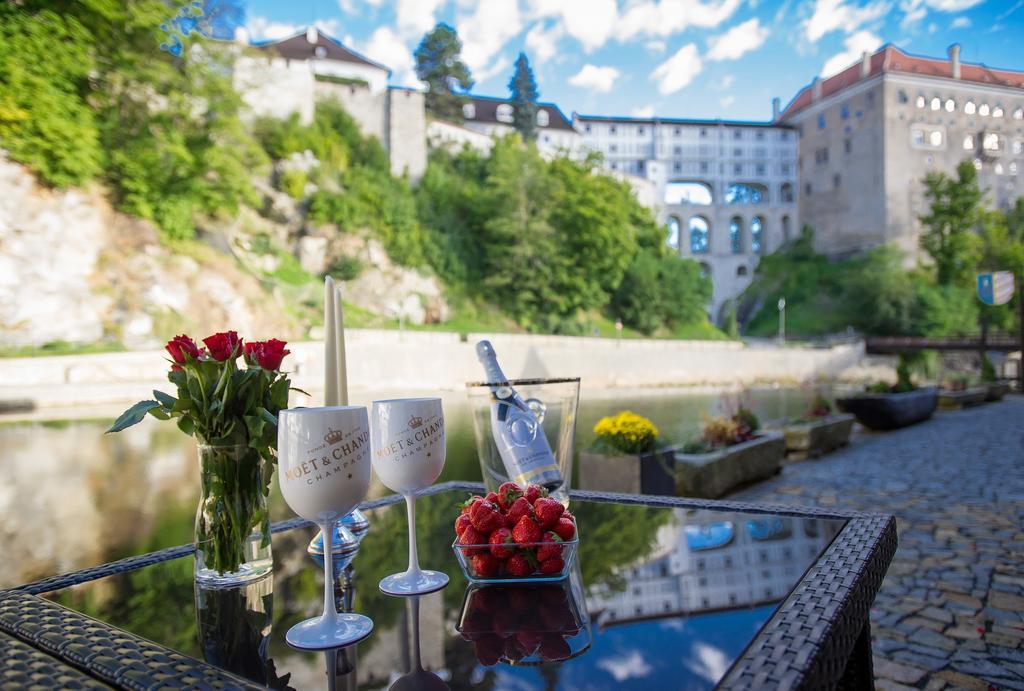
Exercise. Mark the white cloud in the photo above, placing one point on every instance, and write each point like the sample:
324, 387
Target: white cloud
961, 23
667, 17
416, 17
502, 64
594, 78
262, 29
737, 41
711, 663
590, 22
541, 43
855, 45
679, 70
630, 665
387, 48
643, 111
725, 82
727, 101
830, 15
952, 5
656, 46
913, 12
485, 32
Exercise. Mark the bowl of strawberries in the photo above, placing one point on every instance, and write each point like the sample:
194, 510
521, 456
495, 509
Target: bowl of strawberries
515, 535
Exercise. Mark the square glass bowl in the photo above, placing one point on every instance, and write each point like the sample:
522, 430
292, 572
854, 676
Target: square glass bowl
464, 553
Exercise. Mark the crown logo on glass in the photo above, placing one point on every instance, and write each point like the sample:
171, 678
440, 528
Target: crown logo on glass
333, 436
415, 421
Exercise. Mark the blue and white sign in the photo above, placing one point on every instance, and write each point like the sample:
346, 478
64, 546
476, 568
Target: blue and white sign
995, 288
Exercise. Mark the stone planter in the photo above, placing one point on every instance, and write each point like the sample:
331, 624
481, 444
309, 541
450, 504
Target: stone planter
996, 390
954, 400
892, 410
812, 439
648, 473
711, 475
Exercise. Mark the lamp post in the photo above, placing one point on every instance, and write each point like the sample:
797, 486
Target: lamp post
782, 320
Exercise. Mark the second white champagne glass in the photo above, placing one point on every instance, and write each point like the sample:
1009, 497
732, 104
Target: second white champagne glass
324, 470
408, 456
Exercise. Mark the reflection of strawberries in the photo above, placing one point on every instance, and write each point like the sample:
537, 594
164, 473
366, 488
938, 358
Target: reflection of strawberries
503, 623
489, 649
507, 494
502, 544
514, 651
548, 511
565, 528
485, 565
526, 531
554, 647
529, 641
520, 507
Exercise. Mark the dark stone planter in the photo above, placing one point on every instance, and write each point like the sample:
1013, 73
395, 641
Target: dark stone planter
812, 439
952, 400
996, 390
711, 475
892, 410
648, 473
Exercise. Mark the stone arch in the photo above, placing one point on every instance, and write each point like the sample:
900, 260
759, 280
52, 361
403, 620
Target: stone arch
694, 192
736, 235
700, 235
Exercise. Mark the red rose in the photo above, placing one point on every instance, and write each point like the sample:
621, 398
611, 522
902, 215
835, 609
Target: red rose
266, 354
179, 347
224, 346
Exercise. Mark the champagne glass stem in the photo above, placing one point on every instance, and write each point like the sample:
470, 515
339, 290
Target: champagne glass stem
330, 613
414, 559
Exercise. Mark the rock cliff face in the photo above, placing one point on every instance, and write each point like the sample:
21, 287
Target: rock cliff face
73, 269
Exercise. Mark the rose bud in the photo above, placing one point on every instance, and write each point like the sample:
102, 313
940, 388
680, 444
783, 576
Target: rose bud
224, 346
179, 347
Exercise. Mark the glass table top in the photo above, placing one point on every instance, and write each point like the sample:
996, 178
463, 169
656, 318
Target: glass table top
662, 596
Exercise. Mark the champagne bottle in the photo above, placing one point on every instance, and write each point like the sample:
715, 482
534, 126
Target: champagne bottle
518, 433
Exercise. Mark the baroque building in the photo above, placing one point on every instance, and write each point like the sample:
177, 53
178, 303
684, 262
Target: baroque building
870, 134
727, 189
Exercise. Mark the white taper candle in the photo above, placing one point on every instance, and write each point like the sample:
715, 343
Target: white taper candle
330, 349
339, 346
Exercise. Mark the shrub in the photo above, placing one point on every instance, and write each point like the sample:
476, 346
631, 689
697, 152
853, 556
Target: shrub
346, 268
626, 432
818, 407
293, 183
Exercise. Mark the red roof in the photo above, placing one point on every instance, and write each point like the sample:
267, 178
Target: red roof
889, 58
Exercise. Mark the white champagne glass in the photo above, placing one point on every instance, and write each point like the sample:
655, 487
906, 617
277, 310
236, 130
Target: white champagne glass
323, 456
408, 455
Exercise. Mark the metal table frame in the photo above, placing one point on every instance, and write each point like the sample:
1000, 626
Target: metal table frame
819, 638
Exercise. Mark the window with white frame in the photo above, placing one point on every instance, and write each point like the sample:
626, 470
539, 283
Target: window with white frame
1018, 114
950, 105
983, 110
1018, 146
543, 120
468, 111
920, 102
990, 141
927, 136
970, 108
504, 113
936, 103
968, 142
997, 112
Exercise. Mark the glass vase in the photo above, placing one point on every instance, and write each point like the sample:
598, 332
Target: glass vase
232, 530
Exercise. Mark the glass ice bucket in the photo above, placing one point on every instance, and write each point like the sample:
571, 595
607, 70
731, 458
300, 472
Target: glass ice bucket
553, 404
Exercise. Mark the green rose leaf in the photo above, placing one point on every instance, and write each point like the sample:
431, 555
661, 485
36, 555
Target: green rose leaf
133, 415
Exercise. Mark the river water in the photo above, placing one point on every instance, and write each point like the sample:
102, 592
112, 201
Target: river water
75, 497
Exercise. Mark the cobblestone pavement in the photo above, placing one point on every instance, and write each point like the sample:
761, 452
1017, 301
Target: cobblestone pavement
950, 613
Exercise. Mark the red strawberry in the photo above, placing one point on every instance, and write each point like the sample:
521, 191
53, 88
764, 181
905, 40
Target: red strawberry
526, 531
502, 544
519, 508
485, 517
551, 549
565, 528
485, 565
548, 511
492, 497
535, 492
468, 504
568, 515
507, 494
551, 566
470, 536
554, 647
519, 566
489, 649
461, 523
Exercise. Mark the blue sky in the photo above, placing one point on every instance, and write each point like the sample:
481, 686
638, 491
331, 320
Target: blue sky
671, 58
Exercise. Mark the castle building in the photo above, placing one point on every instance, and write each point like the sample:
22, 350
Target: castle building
727, 188
870, 134
279, 78
493, 117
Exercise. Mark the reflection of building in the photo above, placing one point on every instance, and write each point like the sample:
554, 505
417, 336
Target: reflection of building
289, 76
869, 135
703, 562
729, 188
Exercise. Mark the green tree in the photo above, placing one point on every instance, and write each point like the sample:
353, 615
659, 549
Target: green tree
949, 238
523, 88
439, 64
